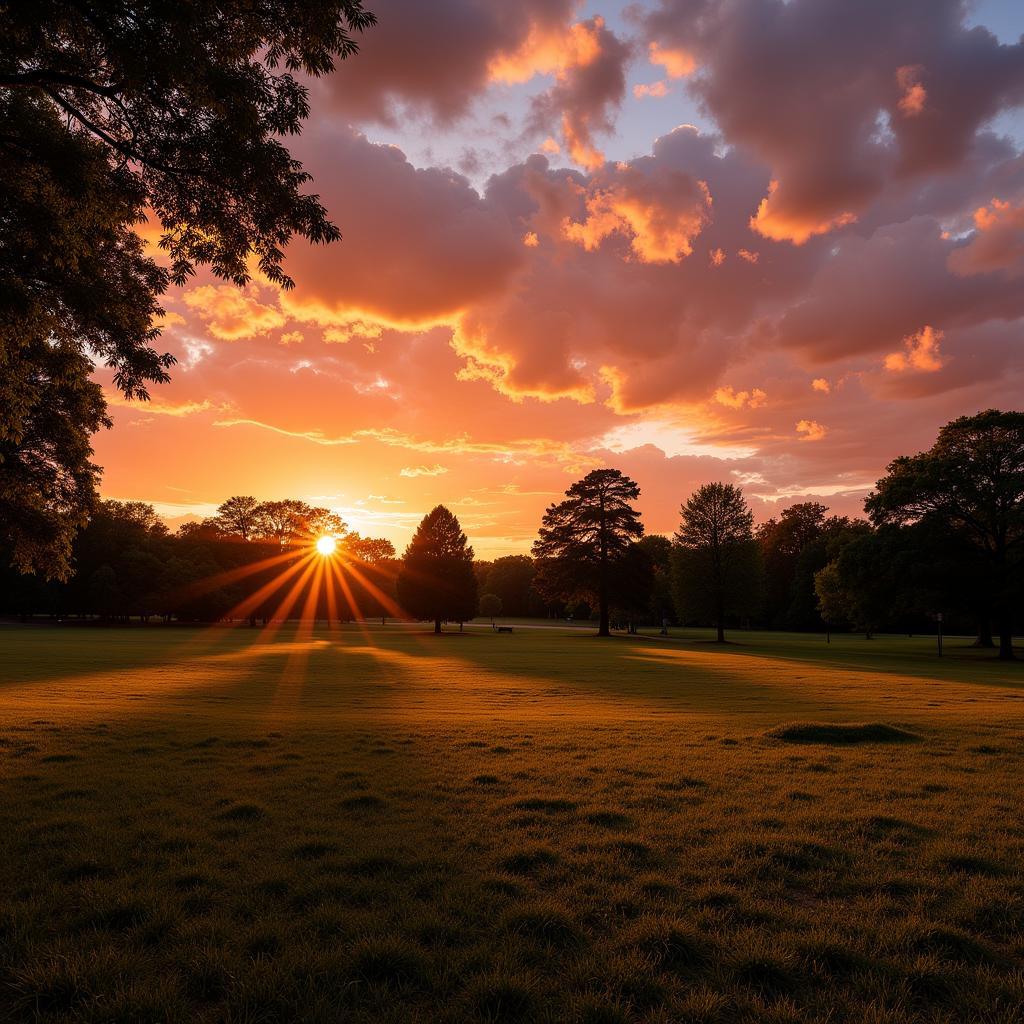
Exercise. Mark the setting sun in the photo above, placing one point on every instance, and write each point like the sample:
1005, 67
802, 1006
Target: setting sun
326, 545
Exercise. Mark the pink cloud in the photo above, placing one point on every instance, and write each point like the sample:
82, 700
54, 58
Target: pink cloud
997, 244
920, 352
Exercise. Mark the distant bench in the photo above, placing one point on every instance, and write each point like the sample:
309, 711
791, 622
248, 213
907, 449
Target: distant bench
502, 629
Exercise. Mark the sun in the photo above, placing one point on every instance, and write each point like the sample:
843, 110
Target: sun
326, 545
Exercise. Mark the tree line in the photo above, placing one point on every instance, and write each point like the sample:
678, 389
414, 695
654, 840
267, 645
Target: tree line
943, 535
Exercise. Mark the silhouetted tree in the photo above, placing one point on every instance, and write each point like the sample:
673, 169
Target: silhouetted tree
782, 542
717, 565
240, 516
437, 580
368, 549
490, 605
583, 538
659, 605
854, 589
107, 112
511, 579
970, 482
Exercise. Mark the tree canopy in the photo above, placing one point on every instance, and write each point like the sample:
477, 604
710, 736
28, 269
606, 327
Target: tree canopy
111, 113
584, 537
971, 484
437, 581
717, 570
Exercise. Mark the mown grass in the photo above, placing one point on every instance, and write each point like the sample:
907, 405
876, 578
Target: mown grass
227, 825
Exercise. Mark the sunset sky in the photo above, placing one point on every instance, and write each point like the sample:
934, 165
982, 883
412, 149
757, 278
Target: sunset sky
769, 243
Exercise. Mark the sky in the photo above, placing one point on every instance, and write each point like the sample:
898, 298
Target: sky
771, 243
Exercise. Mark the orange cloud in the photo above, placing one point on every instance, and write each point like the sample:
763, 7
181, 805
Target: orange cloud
733, 399
654, 90
997, 243
341, 333
921, 353
530, 240
775, 221
676, 62
156, 406
821, 384
414, 471
911, 102
547, 50
232, 313
812, 430
660, 216
589, 84
717, 257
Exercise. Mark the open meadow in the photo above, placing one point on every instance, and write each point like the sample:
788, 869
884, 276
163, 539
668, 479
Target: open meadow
377, 824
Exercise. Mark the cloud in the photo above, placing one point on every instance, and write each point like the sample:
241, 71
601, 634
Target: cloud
677, 63
437, 58
821, 384
233, 313
419, 244
911, 102
811, 430
840, 100
160, 407
733, 399
652, 90
659, 209
921, 352
414, 471
997, 245
589, 88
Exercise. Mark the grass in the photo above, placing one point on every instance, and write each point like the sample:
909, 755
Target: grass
224, 825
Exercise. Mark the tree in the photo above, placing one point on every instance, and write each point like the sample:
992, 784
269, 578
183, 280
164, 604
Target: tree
583, 538
490, 605
659, 554
782, 542
971, 483
240, 516
368, 549
294, 522
717, 566
511, 579
855, 589
437, 580
108, 111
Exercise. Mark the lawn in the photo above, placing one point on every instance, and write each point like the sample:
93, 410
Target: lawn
382, 825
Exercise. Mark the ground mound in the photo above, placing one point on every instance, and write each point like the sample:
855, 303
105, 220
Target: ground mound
841, 735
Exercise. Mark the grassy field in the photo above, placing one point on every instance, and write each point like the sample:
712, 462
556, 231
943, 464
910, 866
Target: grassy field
382, 825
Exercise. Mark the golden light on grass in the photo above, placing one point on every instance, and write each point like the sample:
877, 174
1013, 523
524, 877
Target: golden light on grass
326, 546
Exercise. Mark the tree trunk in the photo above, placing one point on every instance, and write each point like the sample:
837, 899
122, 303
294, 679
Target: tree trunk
721, 632
437, 625
602, 629
984, 630
1006, 638
720, 619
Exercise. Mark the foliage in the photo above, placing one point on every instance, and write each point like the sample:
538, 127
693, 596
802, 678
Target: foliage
717, 563
971, 484
110, 113
511, 578
584, 539
127, 565
490, 606
437, 580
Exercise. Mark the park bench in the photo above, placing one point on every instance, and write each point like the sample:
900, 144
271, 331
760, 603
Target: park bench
502, 629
